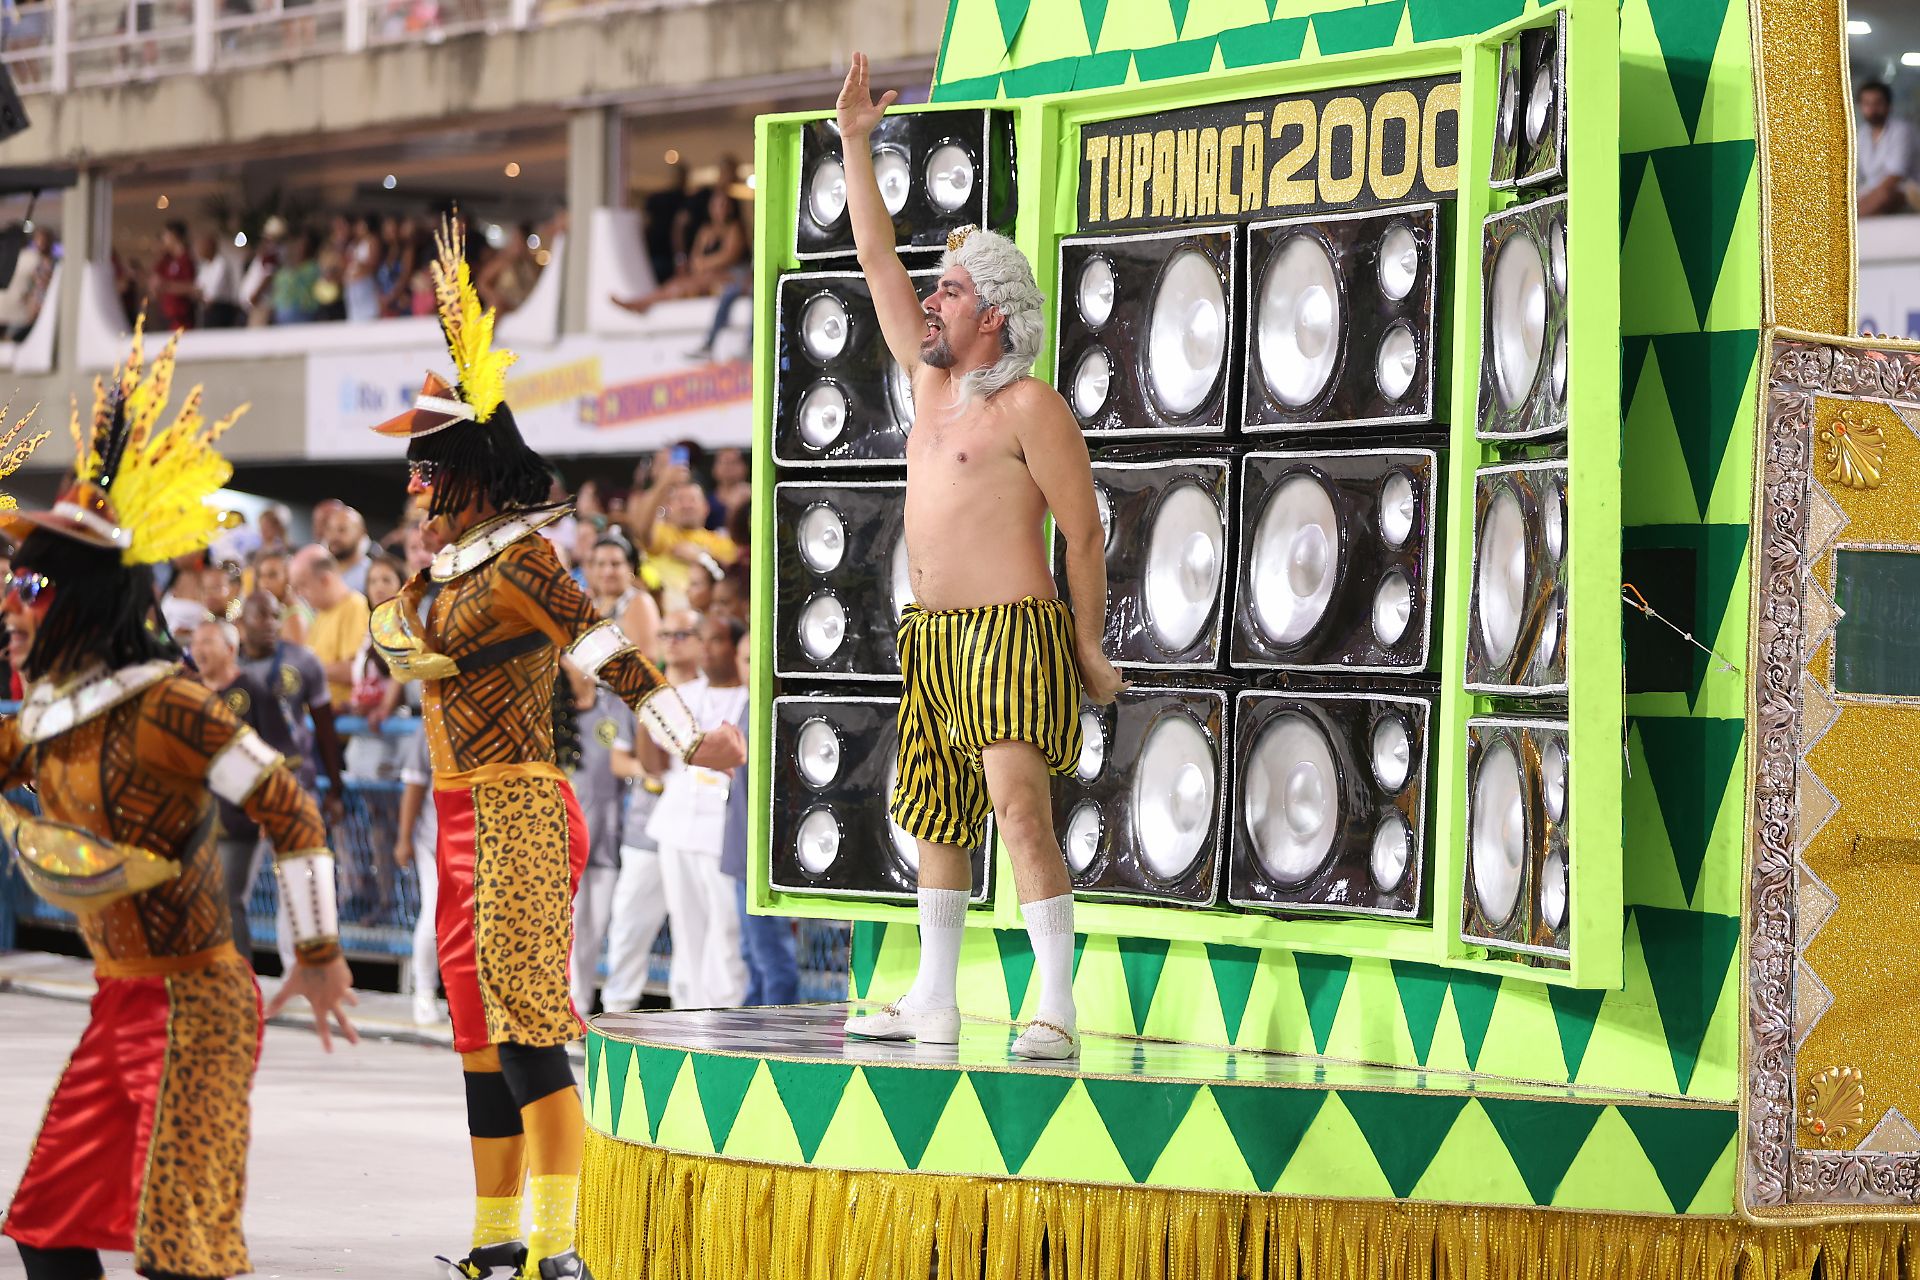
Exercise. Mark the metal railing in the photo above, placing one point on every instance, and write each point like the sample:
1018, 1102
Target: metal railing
51, 46
379, 902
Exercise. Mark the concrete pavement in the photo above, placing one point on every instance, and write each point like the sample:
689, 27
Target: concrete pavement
359, 1165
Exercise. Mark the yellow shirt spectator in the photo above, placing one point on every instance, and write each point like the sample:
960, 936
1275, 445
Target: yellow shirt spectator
338, 631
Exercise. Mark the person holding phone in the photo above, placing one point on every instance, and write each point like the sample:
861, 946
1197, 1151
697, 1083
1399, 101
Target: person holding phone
669, 520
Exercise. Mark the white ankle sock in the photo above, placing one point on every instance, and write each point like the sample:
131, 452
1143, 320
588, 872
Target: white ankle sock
1050, 928
943, 922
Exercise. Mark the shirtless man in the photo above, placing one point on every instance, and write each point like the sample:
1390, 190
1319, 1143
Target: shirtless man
992, 662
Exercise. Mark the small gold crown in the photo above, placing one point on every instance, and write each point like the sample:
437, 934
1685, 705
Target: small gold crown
958, 236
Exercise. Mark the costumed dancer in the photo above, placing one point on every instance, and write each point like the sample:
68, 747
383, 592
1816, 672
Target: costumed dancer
144, 1145
992, 662
483, 628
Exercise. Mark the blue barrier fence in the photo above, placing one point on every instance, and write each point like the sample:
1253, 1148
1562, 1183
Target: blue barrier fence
379, 901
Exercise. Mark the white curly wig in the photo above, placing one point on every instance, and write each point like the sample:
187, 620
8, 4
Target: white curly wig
1002, 278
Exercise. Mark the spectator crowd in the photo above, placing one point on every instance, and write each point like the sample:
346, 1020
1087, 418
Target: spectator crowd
353, 267
280, 627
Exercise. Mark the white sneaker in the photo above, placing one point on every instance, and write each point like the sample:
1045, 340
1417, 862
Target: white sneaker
929, 1026
1046, 1040
426, 1010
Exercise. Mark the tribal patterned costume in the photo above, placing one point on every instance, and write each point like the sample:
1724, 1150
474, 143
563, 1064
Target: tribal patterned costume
144, 1145
483, 629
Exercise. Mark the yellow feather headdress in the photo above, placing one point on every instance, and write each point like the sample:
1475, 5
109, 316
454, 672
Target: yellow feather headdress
480, 368
139, 486
16, 447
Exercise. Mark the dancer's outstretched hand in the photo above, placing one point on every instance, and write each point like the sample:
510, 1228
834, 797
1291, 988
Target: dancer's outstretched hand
1099, 677
329, 990
721, 748
857, 111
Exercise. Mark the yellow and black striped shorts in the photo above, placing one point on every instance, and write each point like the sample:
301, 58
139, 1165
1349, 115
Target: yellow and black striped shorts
971, 678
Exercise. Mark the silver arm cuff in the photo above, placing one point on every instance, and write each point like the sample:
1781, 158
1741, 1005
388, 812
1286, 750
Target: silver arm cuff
306, 886
599, 646
670, 720
236, 769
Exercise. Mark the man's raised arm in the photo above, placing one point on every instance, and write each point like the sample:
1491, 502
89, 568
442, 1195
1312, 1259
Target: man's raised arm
901, 319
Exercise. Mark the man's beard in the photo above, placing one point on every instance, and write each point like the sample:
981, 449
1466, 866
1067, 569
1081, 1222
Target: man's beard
939, 353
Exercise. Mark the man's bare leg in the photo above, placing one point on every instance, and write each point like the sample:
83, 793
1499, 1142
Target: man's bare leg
930, 1011
1018, 784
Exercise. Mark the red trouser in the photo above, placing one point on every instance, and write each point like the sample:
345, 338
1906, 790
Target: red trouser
509, 857
115, 1169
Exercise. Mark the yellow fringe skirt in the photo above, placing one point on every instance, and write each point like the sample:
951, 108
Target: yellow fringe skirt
646, 1212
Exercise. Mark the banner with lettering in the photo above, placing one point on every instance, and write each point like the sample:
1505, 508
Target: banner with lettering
1360, 147
582, 395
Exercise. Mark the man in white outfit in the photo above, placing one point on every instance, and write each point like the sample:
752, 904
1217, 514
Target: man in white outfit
418, 830
605, 726
639, 896
689, 822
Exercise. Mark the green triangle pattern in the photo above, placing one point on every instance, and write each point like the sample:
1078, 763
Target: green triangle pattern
1574, 1013
1363, 26
1140, 1118
1079, 949
1323, 980
1012, 14
722, 1084
1041, 77
1403, 1130
1633, 359
1720, 552
1262, 43
1141, 961
1018, 1106
659, 1068
1633, 168
1233, 973
913, 1102
1542, 1138
1267, 1125
1178, 8
1103, 70
1690, 763
1181, 58
1093, 13
1706, 377
810, 1092
1682, 1143
1446, 19
1688, 32
864, 954
1688, 953
1423, 988
617, 1053
1474, 995
1707, 184
1016, 966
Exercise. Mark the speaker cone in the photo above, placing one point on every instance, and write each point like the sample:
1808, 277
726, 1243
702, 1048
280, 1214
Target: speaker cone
1299, 321
823, 625
1095, 293
1173, 795
1186, 334
817, 843
1184, 554
822, 538
1518, 317
1499, 838
1503, 576
1292, 808
950, 177
1091, 381
819, 752
1296, 560
895, 176
823, 327
1387, 859
823, 415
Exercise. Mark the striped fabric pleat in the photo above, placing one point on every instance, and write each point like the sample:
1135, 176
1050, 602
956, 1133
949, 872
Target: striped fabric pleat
971, 678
